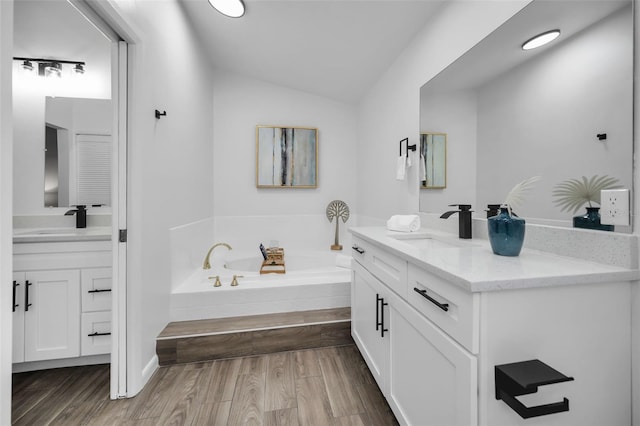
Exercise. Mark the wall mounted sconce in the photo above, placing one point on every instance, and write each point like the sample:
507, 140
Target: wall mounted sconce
50, 67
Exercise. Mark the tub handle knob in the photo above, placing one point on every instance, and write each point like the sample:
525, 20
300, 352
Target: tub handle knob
217, 283
234, 281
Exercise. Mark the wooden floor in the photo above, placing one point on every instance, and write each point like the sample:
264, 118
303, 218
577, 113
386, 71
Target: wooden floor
326, 386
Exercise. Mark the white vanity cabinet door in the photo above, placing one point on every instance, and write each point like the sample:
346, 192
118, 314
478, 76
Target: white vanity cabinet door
366, 314
18, 316
432, 379
52, 321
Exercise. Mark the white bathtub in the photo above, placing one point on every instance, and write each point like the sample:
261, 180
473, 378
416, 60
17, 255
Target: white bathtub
313, 281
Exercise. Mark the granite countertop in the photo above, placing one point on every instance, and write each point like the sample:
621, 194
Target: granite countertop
472, 265
60, 234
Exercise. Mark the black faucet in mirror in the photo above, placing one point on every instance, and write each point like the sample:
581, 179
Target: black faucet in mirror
81, 215
464, 219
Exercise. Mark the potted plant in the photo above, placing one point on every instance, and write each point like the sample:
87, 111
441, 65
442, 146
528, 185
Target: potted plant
572, 194
506, 230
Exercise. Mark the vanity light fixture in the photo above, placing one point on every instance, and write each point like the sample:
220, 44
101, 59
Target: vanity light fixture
50, 67
230, 8
540, 39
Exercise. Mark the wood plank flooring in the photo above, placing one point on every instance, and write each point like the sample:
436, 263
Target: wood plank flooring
326, 386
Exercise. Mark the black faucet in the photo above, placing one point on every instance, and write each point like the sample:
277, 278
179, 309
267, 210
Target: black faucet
492, 210
81, 215
464, 219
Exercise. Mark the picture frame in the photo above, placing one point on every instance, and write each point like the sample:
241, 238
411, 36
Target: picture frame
286, 157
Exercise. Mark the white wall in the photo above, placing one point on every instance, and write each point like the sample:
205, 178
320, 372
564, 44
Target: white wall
6, 232
241, 103
391, 110
170, 163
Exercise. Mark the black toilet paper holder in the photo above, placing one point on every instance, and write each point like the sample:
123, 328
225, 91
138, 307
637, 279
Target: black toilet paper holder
522, 378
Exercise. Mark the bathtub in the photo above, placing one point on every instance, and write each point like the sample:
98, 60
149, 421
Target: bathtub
314, 280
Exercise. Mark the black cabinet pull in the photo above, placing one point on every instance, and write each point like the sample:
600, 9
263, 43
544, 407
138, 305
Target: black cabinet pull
99, 290
26, 295
15, 286
358, 249
98, 334
378, 300
380, 304
423, 293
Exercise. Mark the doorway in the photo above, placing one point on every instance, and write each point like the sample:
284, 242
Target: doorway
109, 80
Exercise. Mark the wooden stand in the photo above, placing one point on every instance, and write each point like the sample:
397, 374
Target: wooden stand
274, 264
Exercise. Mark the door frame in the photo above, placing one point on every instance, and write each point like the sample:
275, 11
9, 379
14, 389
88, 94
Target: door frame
107, 18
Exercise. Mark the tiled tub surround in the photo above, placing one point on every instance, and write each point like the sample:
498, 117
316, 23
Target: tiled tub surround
437, 365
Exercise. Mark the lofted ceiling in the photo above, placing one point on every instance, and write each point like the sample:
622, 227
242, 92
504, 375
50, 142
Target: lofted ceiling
333, 48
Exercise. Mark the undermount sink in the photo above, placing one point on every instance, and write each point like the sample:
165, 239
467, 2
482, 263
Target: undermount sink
49, 231
430, 242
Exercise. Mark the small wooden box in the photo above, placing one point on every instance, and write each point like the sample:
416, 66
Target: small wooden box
274, 263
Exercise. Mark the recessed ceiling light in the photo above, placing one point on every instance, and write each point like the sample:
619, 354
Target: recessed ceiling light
230, 8
540, 39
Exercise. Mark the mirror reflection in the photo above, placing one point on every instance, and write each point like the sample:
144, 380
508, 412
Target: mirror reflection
77, 169
433, 160
512, 114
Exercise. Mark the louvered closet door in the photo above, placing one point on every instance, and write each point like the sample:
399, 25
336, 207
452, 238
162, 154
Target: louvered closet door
93, 167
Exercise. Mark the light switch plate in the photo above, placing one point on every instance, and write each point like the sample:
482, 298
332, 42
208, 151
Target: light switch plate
614, 207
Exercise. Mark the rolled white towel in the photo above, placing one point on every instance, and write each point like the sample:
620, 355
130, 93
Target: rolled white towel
343, 261
404, 223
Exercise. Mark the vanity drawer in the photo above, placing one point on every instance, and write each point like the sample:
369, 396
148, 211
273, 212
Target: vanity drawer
455, 311
96, 289
96, 333
388, 268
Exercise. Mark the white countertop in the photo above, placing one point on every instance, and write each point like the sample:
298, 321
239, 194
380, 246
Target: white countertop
41, 235
472, 265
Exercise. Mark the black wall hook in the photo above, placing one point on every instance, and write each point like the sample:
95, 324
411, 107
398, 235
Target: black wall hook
160, 114
602, 136
409, 147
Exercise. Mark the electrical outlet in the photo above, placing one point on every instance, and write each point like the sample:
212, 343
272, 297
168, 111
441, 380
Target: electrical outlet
614, 207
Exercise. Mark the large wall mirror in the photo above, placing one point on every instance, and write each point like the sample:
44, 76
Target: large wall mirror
511, 114
77, 161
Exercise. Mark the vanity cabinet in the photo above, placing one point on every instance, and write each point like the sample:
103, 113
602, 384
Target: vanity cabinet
62, 300
427, 378
435, 362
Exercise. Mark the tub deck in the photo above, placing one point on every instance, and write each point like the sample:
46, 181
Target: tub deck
209, 339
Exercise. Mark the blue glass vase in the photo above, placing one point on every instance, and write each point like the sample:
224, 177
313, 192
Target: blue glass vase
591, 220
506, 233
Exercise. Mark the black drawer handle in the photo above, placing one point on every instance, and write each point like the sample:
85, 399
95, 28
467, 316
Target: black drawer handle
358, 249
99, 290
98, 334
15, 286
423, 293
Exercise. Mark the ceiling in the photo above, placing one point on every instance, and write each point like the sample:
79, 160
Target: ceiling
333, 48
